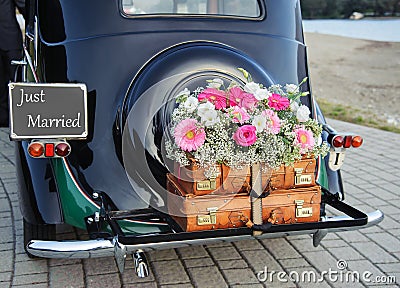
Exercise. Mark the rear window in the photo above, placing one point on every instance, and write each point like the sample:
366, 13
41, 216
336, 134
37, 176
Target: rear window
234, 8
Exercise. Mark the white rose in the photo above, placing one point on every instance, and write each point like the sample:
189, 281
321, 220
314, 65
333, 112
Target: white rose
252, 88
260, 123
215, 83
303, 113
292, 88
204, 108
262, 94
210, 118
294, 106
191, 104
185, 92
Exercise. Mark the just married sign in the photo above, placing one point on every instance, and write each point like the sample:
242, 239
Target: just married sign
40, 110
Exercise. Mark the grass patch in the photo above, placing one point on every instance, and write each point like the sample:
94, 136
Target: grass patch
354, 115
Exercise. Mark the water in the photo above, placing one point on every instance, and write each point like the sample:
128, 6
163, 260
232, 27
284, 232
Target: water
378, 30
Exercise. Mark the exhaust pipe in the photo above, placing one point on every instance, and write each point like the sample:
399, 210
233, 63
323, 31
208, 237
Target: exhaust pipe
141, 265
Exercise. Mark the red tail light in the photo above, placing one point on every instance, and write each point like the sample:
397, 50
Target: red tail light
36, 149
357, 141
49, 150
63, 149
338, 141
347, 141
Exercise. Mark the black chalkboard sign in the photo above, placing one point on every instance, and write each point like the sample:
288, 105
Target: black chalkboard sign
48, 111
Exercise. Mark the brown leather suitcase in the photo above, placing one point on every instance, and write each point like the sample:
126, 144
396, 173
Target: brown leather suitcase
236, 179
193, 180
301, 174
289, 206
206, 212
239, 179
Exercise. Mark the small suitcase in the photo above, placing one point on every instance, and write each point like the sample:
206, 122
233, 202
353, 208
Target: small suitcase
206, 212
301, 174
193, 180
239, 179
289, 206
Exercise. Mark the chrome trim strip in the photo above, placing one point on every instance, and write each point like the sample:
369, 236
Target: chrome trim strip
262, 16
104, 247
36, 41
374, 218
29, 59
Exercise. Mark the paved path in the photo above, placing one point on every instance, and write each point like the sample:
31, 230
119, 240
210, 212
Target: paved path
374, 250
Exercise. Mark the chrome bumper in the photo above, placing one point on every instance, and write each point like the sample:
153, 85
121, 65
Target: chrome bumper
113, 247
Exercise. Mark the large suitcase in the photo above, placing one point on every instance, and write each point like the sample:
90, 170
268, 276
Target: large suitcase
289, 206
206, 212
209, 212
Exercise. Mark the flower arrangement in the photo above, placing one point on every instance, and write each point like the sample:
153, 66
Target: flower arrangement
240, 126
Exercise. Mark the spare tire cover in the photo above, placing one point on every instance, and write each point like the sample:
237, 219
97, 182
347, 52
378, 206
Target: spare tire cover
151, 99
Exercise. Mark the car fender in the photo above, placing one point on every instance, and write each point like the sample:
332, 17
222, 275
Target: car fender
37, 192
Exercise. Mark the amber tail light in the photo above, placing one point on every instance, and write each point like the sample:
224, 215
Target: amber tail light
36, 149
357, 141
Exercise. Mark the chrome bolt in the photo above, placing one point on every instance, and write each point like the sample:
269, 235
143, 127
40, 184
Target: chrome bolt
95, 195
89, 220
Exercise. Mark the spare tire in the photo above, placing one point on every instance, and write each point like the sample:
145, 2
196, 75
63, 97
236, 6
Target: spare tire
150, 101
186, 62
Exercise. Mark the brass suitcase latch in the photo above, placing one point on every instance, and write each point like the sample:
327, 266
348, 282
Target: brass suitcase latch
210, 184
210, 219
300, 178
302, 212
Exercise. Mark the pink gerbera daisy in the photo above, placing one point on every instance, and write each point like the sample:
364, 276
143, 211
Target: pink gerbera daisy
188, 135
273, 121
241, 98
239, 115
304, 139
278, 102
215, 96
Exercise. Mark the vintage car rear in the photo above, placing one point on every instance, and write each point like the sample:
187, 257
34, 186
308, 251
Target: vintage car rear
100, 84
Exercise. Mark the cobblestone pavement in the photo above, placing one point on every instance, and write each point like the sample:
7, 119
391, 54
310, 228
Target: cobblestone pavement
372, 180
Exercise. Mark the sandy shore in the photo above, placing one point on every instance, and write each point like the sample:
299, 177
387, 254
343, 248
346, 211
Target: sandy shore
360, 73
